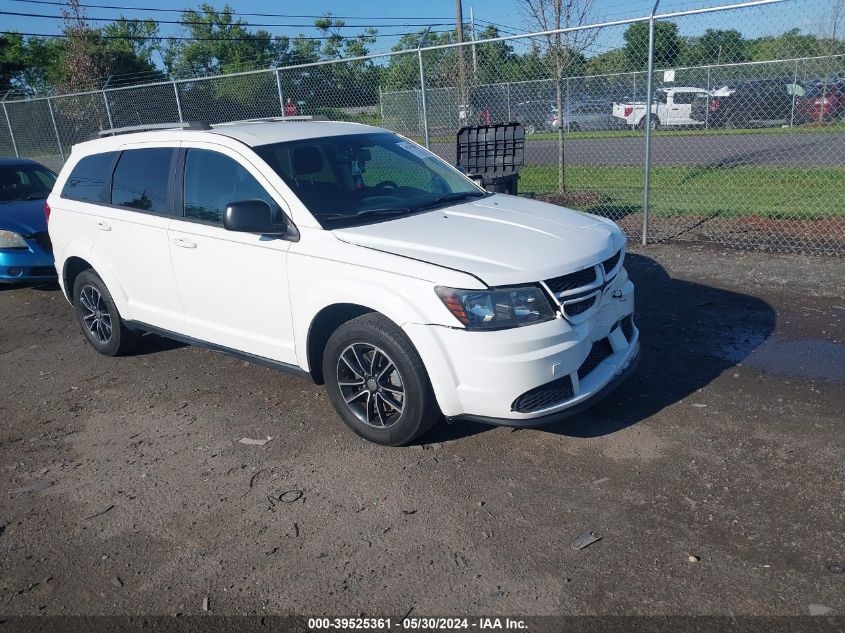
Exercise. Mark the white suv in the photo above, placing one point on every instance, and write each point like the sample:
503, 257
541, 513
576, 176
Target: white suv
351, 255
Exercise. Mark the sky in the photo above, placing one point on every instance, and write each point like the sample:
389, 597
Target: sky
507, 14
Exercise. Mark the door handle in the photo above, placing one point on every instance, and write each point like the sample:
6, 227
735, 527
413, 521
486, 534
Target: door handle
182, 242
104, 226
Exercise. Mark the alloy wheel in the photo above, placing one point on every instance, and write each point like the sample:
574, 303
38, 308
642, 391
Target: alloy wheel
371, 385
95, 314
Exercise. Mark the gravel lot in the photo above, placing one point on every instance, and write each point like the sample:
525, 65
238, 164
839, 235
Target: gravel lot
124, 489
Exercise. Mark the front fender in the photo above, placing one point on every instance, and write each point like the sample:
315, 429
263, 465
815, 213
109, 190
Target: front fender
316, 284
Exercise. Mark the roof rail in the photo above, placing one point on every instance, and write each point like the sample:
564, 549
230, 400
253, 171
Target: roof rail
270, 119
187, 125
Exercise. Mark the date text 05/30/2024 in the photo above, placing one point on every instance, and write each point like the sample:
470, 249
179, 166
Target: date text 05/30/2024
420, 623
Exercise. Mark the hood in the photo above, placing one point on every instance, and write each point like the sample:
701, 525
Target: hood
502, 240
23, 216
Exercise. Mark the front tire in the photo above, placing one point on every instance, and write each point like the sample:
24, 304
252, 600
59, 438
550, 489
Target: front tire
377, 381
98, 317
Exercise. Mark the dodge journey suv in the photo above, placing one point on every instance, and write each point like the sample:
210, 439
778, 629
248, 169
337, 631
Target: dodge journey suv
353, 256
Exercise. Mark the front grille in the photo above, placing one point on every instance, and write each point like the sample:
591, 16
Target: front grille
43, 239
579, 307
544, 395
42, 271
598, 353
610, 263
627, 325
578, 279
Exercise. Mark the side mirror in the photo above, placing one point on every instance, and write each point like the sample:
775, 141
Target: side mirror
252, 216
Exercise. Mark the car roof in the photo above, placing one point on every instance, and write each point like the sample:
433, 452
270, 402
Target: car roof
252, 133
18, 162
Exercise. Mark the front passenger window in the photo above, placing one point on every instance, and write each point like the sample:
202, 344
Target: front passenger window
213, 181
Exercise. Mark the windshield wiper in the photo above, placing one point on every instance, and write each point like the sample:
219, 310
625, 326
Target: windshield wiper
352, 216
385, 211
452, 197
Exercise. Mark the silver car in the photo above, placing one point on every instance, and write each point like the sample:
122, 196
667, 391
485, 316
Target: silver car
586, 115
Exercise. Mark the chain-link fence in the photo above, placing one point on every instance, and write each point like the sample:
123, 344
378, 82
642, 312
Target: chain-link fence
742, 141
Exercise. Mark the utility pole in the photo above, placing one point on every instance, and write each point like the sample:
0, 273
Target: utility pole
459, 38
472, 35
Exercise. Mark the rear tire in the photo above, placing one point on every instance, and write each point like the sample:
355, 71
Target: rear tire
377, 381
98, 317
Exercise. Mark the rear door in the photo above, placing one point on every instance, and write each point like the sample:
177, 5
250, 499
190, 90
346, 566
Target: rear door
128, 227
234, 286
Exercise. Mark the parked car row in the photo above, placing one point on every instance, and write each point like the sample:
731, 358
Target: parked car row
746, 104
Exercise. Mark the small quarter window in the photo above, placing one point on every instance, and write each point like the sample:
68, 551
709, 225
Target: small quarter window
88, 179
140, 179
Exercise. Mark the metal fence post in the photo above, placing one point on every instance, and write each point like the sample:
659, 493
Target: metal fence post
108, 110
279, 89
794, 83
707, 107
568, 108
178, 102
55, 129
9, 124
648, 100
510, 117
422, 98
381, 104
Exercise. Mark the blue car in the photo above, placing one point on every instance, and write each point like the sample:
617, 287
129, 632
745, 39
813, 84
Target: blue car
26, 254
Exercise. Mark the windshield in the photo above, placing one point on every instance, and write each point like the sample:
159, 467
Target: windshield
362, 178
25, 182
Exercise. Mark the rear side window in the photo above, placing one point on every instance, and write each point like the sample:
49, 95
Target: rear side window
88, 179
683, 97
141, 178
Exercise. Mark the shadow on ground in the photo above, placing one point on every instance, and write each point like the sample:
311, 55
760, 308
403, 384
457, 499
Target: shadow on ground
690, 333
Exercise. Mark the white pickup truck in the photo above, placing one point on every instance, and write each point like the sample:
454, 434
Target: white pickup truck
672, 107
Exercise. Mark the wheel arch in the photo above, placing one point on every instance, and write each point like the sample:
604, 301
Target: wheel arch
73, 266
322, 326
77, 259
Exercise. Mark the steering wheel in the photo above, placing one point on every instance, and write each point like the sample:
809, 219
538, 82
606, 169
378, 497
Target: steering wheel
385, 184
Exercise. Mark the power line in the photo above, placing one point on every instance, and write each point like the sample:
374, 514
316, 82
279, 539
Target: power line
203, 39
200, 22
261, 15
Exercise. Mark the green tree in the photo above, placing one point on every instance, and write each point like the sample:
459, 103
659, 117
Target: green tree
11, 60
219, 43
667, 45
85, 62
131, 45
717, 46
564, 51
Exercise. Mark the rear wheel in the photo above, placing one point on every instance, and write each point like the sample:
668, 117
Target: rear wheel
98, 316
377, 381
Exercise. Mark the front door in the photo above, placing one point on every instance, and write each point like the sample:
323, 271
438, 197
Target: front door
234, 286
681, 108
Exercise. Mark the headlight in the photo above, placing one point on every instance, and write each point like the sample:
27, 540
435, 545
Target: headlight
10, 239
497, 308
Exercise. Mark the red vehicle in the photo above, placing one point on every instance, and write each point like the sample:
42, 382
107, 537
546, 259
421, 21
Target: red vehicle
822, 103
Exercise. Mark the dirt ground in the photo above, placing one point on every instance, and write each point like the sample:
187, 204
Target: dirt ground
124, 489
